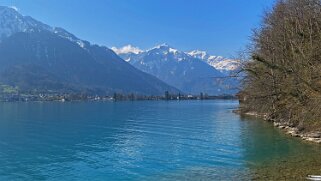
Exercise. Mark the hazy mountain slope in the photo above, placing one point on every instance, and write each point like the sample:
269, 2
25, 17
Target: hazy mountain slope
37, 57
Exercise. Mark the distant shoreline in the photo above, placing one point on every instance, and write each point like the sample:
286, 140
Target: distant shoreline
96, 98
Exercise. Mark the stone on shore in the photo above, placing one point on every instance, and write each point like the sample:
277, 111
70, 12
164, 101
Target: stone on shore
293, 132
314, 135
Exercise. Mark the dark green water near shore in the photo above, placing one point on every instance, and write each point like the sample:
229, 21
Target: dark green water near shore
187, 140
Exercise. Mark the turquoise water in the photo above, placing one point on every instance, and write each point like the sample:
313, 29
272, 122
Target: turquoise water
194, 140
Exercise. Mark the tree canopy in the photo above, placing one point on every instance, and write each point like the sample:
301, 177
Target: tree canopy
283, 77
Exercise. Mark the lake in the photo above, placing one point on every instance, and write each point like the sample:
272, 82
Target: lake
147, 140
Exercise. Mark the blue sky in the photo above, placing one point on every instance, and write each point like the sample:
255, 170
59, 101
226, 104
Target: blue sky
221, 27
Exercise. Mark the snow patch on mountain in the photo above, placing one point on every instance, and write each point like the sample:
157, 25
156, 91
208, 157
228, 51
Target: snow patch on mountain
14, 7
218, 62
198, 54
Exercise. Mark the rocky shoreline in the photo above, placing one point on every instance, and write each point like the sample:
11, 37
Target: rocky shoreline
312, 136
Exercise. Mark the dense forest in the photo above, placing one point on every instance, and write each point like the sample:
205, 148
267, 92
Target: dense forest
283, 77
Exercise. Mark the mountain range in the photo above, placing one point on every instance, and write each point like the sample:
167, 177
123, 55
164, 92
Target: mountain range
36, 57
192, 72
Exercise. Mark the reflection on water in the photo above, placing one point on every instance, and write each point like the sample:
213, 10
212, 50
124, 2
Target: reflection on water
196, 140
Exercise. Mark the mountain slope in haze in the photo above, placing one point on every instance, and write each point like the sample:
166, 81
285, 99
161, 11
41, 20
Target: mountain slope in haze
179, 69
37, 57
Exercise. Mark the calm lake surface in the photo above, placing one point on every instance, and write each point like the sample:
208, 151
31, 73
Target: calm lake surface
187, 140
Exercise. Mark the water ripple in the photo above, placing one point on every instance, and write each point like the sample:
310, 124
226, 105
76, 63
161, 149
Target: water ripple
128, 141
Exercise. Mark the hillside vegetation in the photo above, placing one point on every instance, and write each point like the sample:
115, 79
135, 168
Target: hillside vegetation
284, 75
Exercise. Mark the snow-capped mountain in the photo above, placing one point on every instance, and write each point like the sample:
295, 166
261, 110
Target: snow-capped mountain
220, 63
177, 68
11, 22
39, 58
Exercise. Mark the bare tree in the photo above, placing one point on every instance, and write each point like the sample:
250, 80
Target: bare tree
283, 78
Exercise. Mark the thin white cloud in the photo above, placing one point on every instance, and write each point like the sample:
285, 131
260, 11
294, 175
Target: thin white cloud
15, 8
127, 49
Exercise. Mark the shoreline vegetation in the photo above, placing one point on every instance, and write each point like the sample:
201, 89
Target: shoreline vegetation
283, 83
